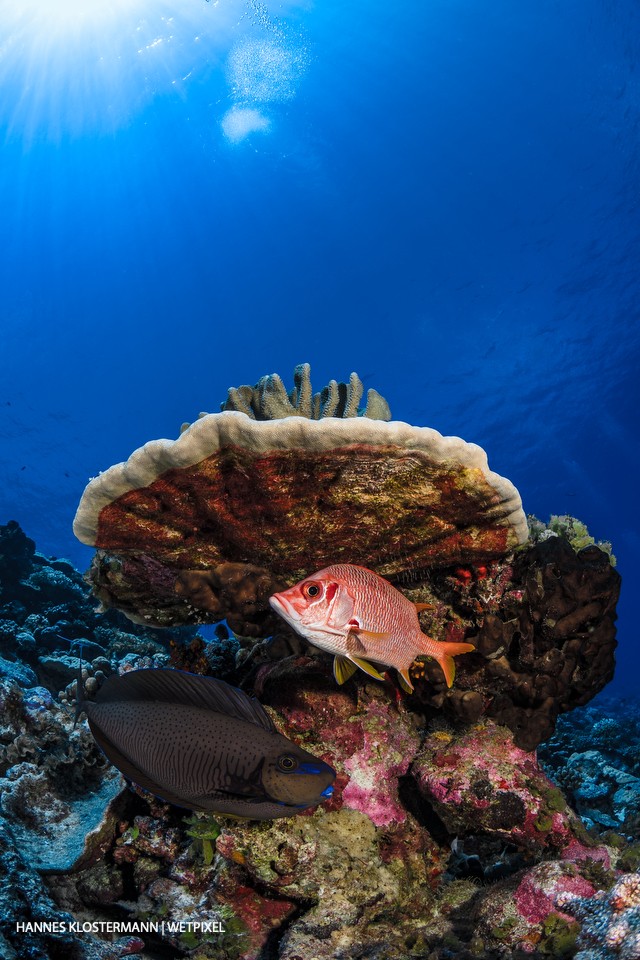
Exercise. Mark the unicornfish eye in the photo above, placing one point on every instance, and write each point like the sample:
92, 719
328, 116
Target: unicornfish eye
311, 590
287, 763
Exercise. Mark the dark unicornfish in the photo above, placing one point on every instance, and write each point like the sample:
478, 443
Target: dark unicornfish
202, 744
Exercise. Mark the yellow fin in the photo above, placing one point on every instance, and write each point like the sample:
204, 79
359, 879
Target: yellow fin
364, 665
405, 681
343, 669
423, 606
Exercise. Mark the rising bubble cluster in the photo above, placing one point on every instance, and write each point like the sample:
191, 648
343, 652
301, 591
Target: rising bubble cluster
264, 70
239, 122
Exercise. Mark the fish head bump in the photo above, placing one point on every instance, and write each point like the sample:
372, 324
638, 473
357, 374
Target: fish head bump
318, 602
294, 777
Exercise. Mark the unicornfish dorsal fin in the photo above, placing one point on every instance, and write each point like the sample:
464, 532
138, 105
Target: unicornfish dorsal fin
176, 686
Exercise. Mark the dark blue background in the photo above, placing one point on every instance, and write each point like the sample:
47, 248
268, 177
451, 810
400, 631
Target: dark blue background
448, 205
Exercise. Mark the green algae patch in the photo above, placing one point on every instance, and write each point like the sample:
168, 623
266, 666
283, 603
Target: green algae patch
558, 936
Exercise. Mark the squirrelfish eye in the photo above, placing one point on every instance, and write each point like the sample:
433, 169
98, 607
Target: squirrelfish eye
311, 589
287, 763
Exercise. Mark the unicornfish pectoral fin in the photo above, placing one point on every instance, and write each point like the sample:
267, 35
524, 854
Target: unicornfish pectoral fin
367, 667
343, 669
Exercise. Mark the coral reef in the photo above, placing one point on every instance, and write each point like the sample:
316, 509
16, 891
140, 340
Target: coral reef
201, 529
573, 530
594, 757
542, 622
444, 837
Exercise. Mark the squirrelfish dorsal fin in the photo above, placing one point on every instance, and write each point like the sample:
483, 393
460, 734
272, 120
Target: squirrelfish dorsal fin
177, 686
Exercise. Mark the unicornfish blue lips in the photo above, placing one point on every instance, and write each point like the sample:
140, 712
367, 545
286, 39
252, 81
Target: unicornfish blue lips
202, 744
327, 792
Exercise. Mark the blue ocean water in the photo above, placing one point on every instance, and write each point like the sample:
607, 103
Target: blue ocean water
441, 196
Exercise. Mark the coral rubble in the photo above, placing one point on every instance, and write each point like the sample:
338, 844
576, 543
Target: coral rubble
594, 756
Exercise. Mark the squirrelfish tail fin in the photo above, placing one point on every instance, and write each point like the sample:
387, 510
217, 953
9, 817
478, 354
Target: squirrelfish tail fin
445, 655
443, 651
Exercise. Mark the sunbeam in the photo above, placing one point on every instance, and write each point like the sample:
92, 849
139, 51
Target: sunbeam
72, 66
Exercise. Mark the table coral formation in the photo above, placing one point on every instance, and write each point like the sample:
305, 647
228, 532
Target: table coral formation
268, 485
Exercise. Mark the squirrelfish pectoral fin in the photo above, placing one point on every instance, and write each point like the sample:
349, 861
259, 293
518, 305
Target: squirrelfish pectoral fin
405, 681
353, 644
423, 606
366, 666
370, 634
343, 669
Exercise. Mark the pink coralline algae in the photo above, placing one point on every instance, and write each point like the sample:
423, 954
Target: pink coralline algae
371, 743
522, 913
374, 769
478, 777
535, 895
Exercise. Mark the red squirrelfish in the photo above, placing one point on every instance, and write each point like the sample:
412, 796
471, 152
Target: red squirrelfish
358, 616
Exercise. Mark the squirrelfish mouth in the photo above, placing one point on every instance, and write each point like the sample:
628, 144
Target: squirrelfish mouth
282, 606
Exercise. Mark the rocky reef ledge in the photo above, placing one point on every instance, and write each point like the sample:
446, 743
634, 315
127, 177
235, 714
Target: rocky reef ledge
447, 834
